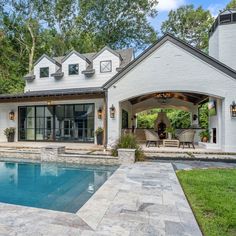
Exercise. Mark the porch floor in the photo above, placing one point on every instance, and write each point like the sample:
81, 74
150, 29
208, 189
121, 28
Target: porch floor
162, 149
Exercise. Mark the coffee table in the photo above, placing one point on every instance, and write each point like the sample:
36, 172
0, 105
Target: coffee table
170, 143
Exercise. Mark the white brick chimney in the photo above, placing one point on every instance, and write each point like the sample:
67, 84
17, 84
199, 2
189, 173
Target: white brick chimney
222, 43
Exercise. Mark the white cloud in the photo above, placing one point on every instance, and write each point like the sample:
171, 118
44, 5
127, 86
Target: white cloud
167, 5
215, 9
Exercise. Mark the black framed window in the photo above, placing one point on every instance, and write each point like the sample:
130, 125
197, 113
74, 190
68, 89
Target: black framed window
234, 17
225, 18
44, 72
70, 122
105, 66
73, 69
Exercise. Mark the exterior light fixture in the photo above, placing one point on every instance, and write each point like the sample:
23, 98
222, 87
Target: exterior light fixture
12, 115
195, 117
100, 113
163, 95
112, 111
49, 103
233, 109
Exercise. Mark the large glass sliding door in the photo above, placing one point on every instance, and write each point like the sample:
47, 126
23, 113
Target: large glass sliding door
27, 123
57, 123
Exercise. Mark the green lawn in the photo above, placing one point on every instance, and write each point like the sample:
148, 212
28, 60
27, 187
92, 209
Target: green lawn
212, 195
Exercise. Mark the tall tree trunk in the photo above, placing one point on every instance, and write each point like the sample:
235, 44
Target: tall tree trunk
32, 48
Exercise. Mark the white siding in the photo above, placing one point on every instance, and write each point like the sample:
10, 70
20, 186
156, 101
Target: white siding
222, 44
42, 83
73, 81
100, 78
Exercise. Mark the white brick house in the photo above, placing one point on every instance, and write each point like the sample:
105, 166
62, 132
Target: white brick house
67, 98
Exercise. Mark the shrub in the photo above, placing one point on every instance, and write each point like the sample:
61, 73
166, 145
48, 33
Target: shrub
99, 130
129, 141
9, 131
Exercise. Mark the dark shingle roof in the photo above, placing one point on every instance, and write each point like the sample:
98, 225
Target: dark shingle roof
125, 54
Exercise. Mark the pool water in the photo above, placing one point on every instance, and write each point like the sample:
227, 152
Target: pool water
50, 186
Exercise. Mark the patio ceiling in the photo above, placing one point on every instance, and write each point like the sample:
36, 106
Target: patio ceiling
187, 97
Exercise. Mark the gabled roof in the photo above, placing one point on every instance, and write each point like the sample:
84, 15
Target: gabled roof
168, 37
49, 58
107, 49
76, 53
227, 11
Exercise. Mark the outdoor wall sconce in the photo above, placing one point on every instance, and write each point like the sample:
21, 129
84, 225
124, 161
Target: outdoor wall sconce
195, 117
12, 115
100, 113
112, 111
233, 109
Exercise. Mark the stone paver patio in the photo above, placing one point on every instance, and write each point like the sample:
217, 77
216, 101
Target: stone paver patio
140, 199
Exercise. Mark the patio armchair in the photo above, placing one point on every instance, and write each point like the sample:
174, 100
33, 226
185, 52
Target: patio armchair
186, 137
151, 137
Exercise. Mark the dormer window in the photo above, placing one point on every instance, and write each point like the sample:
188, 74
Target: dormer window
73, 69
44, 72
105, 66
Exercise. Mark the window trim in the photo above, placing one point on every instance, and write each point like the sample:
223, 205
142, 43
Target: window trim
46, 67
69, 69
110, 61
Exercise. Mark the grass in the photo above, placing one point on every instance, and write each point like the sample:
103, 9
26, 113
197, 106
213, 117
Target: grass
212, 195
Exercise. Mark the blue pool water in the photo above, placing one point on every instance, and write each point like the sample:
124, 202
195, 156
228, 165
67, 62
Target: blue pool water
50, 186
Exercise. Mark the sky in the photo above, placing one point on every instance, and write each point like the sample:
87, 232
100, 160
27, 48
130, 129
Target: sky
165, 6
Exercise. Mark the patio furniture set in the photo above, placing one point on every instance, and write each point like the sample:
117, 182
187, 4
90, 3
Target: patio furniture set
186, 137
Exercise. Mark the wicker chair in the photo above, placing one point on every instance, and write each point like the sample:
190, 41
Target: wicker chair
187, 137
151, 137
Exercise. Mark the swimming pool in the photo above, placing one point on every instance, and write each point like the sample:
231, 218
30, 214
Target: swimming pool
50, 186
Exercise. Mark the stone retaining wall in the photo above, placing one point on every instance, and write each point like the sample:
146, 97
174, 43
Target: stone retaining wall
62, 158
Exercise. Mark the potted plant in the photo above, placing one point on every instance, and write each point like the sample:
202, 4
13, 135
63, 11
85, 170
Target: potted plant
170, 132
205, 136
10, 134
99, 135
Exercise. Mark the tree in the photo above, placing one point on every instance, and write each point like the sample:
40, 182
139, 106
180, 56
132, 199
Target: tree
118, 24
203, 116
29, 28
231, 5
189, 24
20, 22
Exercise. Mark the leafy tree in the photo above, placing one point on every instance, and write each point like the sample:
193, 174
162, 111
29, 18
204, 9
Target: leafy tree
21, 21
147, 119
118, 24
203, 116
29, 28
178, 118
189, 24
231, 5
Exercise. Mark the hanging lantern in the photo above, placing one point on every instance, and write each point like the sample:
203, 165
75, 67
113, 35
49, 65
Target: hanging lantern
233, 109
12, 115
100, 113
112, 111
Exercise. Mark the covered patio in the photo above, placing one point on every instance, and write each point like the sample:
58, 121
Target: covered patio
164, 135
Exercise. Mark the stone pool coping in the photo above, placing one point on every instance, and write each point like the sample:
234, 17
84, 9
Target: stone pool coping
138, 199
73, 158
